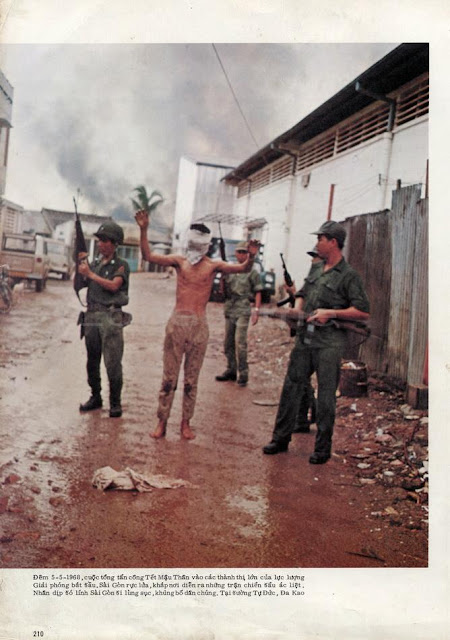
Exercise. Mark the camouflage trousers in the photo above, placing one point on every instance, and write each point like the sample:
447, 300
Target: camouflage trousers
103, 332
235, 344
186, 335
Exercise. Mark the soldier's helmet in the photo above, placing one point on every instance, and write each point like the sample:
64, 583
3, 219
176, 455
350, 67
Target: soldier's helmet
333, 230
242, 246
110, 230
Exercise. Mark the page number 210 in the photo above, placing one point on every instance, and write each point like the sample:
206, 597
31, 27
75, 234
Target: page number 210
38, 634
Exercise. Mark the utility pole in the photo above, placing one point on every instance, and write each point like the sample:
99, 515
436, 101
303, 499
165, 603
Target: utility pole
330, 201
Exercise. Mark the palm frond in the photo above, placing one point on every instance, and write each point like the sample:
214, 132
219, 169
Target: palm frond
156, 194
144, 201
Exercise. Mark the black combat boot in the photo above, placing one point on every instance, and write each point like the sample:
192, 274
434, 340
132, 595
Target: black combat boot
115, 411
115, 406
94, 402
275, 447
226, 375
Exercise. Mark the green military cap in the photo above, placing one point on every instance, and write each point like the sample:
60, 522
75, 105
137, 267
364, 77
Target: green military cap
110, 230
242, 246
333, 230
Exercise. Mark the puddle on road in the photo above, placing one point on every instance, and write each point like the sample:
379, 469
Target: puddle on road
251, 504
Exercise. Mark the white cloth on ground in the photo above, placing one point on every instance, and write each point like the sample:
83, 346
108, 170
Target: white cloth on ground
129, 480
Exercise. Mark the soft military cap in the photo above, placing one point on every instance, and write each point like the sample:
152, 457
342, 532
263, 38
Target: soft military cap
242, 246
110, 230
331, 229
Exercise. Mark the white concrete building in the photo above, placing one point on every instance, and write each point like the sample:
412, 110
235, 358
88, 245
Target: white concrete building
6, 102
9, 212
10, 217
202, 196
343, 159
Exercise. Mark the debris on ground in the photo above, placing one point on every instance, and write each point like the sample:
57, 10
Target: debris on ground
129, 480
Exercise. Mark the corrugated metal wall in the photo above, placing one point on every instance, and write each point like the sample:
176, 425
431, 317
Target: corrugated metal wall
390, 251
419, 304
369, 252
403, 315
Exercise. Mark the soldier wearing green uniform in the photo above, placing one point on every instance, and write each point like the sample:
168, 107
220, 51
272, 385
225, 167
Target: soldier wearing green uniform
332, 290
107, 282
240, 289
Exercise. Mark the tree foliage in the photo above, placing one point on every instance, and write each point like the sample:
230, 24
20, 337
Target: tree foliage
144, 201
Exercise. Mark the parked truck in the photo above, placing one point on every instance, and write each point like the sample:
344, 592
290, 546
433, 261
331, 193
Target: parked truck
26, 257
60, 257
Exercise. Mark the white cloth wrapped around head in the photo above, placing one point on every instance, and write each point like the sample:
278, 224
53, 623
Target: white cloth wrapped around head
198, 240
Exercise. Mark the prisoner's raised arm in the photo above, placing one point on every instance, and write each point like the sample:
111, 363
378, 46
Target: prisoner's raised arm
170, 260
228, 267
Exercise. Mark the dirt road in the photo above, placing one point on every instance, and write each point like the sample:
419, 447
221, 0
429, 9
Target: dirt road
240, 508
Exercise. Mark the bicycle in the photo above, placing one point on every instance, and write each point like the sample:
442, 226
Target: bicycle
6, 296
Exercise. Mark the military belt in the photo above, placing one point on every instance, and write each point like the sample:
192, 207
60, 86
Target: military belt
97, 306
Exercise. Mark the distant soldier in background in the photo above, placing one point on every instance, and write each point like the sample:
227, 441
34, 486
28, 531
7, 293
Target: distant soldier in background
241, 288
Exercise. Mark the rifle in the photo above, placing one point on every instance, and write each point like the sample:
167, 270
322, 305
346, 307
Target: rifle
80, 247
289, 282
298, 319
223, 287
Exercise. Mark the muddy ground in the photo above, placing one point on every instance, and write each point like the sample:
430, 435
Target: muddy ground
367, 507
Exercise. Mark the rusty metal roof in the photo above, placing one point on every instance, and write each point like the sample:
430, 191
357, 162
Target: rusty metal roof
398, 67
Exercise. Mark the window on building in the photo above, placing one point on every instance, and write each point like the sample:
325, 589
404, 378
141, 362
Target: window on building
9, 220
369, 124
316, 151
412, 103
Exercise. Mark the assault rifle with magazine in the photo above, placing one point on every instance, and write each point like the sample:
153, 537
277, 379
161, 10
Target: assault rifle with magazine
297, 319
223, 285
289, 282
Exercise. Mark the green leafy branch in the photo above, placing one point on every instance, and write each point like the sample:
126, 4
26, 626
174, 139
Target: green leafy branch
144, 201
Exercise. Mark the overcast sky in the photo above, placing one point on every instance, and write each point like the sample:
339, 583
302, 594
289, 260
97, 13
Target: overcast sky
105, 118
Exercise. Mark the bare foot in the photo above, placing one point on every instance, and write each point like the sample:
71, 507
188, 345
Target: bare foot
160, 430
186, 430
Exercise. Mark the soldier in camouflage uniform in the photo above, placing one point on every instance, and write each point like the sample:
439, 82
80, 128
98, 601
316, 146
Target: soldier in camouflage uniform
107, 282
332, 290
240, 289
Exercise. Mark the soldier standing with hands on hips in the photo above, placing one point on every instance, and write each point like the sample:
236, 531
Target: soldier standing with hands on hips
103, 322
332, 290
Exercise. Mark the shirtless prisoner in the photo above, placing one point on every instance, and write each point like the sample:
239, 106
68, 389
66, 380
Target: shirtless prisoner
187, 329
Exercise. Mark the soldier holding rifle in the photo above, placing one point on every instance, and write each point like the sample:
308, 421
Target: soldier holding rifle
241, 287
307, 404
187, 329
103, 321
332, 294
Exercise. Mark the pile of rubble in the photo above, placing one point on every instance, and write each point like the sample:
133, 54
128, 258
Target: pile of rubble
389, 449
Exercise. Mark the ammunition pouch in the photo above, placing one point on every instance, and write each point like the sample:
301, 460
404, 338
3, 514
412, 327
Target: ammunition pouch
80, 321
126, 318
